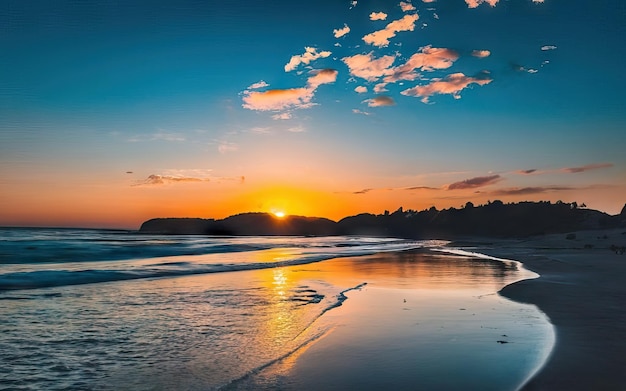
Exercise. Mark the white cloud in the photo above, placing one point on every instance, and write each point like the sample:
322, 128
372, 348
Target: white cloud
357, 111
310, 54
406, 6
452, 84
367, 67
342, 31
260, 130
381, 38
257, 85
378, 16
297, 129
548, 47
361, 89
282, 116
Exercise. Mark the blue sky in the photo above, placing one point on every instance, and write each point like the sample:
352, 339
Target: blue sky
124, 111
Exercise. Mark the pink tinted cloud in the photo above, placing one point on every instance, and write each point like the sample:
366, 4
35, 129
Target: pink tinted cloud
476, 182
338, 33
379, 101
476, 3
588, 167
361, 89
323, 76
278, 100
378, 16
481, 53
367, 67
452, 84
428, 59
406, 6
381, 38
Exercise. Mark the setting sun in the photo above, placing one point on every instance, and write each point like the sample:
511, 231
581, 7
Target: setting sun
279, 213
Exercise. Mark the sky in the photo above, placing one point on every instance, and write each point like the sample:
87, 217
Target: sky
115, 112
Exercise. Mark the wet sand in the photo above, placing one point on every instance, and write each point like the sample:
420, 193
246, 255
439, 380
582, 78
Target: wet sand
582, 289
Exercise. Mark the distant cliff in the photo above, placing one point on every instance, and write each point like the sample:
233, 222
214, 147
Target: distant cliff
494, 219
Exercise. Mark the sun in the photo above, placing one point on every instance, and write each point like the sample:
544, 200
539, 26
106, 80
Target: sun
279, 213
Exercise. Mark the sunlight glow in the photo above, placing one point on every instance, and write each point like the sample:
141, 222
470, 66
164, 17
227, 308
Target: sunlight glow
279, 213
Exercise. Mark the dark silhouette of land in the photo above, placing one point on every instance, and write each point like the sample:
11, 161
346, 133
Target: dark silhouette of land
494, 219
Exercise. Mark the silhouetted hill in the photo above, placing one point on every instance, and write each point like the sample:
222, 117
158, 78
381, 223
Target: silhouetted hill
494, 219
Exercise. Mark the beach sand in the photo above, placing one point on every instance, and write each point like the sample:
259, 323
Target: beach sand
582, 289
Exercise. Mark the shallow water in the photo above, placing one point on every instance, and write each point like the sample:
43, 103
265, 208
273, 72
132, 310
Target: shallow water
187, 322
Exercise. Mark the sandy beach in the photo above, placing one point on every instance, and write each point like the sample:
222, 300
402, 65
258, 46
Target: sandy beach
582, 290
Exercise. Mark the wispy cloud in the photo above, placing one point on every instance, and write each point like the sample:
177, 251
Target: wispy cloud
588, 167
297, 129
529, 190
260, 84
357, 111
338, 33
475, 182
310, 54
378, 101
548, 47
481, 53
378, 16
364, 191
452, 84
156, 179
227, 147
260, 130
381, 38
421, 188
527, 172
282, 116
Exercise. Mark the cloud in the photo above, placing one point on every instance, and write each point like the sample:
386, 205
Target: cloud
364, 191
406, 6
452, 84
297, 129
260, 130
357, 111
428, 59
378, 101
537, 1
353, 4
310, 54
529, 190
278, 100
527, 172
282, 116
381, 38
323, 76
155, 179
473, 183
476, 3
227, 146
588, 167
360, 89
429, 1
420, 188
378, 16
367, 67
342, 31
481, 53
260, 84
548, 47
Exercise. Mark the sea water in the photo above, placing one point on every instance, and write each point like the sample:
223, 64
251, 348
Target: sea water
115, 310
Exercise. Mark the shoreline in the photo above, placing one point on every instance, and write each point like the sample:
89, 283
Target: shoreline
580, 290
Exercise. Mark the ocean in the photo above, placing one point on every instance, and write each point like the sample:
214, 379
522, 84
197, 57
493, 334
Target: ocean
117, 310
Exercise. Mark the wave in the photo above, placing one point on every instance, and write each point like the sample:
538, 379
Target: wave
76, 273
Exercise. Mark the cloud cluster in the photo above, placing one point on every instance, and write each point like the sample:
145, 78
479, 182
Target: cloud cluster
156, 179
367, 67
452, 84
476, 3
381, 38
310, 54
